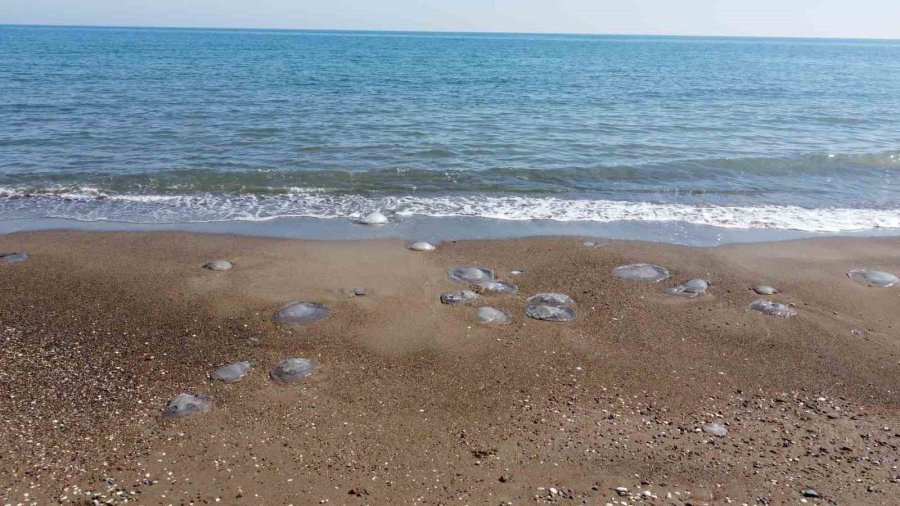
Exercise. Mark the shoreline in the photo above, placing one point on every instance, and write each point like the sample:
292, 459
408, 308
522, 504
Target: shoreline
448, 229
412, 400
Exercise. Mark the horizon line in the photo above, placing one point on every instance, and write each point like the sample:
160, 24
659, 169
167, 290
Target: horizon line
448, 32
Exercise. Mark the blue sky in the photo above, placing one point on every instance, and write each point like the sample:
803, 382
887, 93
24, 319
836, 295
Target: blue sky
797, 18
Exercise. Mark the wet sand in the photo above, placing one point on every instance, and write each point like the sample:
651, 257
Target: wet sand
413, 402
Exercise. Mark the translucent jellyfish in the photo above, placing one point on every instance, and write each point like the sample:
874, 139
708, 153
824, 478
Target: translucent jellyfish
292, 370
773, 308
496, 287
691, 289
642, 272
186, 404
550, 299
461, 297
765, 290
232, 373
553, 307
550, 313
302, 312
13, 257
492, 316
218, 265
375, 218
715, 429
422, 246
469, 275
870, 277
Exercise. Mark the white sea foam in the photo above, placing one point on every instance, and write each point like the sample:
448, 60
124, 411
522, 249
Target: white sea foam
91, 204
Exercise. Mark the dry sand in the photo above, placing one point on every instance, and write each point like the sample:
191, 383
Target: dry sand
413, 402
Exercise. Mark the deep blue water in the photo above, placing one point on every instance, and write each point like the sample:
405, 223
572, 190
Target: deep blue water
168, 126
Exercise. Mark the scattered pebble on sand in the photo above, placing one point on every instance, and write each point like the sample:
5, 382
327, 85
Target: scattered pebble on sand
422, 246
642, 272
469, 275
292, 370
186, 404
461, 297
302, 312
874, 278
491, 316
218, 265
773, 308
13, 257
516, 272
232, 373
764, 290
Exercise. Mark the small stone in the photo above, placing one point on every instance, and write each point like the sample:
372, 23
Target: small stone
292, 370
491, 316
874, 278
495, 287
422, 246
770, 308
232, 373
764, 290
642, 272
516, 272
622, 491
469, 275
186, 404
811, 493
353, 292
375, 218
715, 429
13, 257
218, 265
461, 297
302, 312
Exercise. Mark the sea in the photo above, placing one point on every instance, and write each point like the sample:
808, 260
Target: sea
291, 132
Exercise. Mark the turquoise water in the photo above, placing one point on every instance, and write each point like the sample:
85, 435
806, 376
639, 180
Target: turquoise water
165, 126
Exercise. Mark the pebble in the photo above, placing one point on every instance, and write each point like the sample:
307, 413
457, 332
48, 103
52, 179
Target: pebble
642, 272
491, 316
375, 218
871, 277
516, 272
461, 297
218, 265
764, 290
715, 429
422, 246
468, 275
292, 370
354, 292
622, 491
495, 287
186, 404
810, 493
773, 308
232, 373
302, 312
13, 257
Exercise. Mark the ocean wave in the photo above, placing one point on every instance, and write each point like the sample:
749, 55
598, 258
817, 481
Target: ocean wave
92, 204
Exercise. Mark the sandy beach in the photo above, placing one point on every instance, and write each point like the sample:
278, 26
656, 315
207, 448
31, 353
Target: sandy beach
413, 401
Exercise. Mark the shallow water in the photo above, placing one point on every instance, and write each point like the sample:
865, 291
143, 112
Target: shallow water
146, 126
